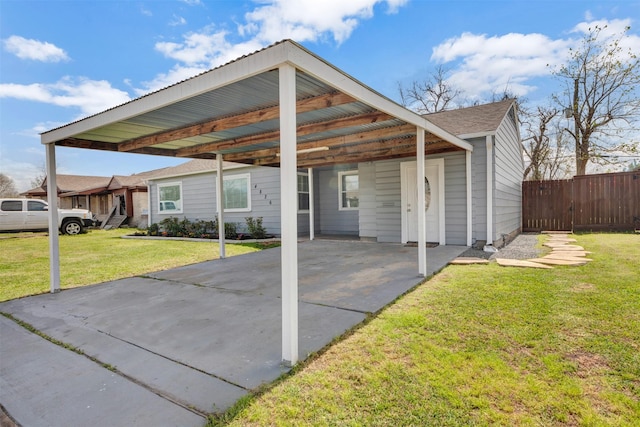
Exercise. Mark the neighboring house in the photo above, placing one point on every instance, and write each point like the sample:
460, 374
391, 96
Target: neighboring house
77, 191
113, 200
373, 200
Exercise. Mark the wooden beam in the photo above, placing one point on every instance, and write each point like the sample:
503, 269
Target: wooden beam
217, 125
274, 136
362, 137
365, 153
86, 143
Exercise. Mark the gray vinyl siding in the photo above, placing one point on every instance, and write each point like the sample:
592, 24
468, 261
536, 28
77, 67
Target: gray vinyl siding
479, 189
508, 179
331, 219
368, 216
388, 209
455, 197
199, 199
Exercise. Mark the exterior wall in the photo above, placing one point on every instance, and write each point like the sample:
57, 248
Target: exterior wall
508, 171
455, 197
367, 213
479, 190
199, 199
139, 202
331, 219
380, 206
388, 209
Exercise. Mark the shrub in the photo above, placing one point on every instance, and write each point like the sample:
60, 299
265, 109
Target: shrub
255, 228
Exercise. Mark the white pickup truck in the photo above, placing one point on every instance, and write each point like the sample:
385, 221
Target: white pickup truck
32, 214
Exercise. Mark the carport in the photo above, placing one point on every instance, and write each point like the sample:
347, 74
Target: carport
280, 106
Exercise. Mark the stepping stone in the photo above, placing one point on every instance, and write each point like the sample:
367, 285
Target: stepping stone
569, 253
566, 257
469, 260
519, 263
561, 240
552, 261
564, 247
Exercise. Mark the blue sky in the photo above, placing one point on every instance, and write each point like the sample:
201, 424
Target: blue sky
63, 60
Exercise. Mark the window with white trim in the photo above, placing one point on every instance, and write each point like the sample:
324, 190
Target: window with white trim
237, 193
348, 190
170, 198
303, 192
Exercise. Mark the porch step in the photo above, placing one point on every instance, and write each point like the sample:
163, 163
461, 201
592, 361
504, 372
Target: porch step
115, 221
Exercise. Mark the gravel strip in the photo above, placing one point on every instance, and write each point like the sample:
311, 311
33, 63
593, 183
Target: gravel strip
522, 247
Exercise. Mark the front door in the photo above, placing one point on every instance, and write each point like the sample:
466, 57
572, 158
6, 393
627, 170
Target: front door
434, 201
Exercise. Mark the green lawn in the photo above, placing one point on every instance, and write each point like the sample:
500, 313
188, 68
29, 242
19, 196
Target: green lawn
482, 345
95, 257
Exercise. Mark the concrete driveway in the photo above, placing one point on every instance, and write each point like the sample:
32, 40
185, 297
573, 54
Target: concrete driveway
173, 346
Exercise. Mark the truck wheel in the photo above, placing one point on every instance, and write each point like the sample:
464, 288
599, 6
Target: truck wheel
72, 226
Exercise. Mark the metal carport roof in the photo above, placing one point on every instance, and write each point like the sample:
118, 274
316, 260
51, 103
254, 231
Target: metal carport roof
280, 106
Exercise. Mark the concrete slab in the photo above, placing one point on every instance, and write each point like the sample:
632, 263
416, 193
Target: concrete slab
43, 384
202, 336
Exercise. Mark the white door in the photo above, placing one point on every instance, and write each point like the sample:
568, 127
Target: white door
434, 202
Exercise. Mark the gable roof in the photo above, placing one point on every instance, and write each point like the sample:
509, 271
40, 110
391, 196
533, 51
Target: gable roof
74, 184
234, 110
479, 119
193, 167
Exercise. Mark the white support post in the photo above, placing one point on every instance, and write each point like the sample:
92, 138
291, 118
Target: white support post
420, 175
289, 214
469, 198
312, 231
489, 140
220, 205
52, 198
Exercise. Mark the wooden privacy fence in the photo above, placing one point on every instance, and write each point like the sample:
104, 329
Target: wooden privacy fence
585, 203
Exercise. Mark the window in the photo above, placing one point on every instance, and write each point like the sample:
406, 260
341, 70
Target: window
170, 198
303, 192
237, 192
12, 205
34, 205
348, 190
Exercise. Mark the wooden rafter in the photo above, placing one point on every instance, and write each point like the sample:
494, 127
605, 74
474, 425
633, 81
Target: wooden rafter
336, 141
217, 125
308, 129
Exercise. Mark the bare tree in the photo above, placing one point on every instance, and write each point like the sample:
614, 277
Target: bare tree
431, 95
601, 79
7, 186
537, 144
38, 180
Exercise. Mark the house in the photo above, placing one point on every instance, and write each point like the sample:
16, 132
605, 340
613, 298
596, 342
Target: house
372, 200
113, 200
377, 164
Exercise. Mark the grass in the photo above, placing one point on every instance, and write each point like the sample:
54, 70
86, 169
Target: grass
95, 257
482, 345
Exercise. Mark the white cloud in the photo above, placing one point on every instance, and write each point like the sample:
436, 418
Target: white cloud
177, 21
307, 20
34, 49
90, 96
491, 64
268, 22
482, 64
